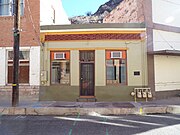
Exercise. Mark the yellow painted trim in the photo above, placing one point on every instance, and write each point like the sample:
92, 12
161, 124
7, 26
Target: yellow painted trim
93, 32
95, 48
14, 85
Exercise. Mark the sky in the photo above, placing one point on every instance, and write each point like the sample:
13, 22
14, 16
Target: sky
81, 7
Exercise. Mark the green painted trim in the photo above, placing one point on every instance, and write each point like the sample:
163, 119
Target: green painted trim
102, 93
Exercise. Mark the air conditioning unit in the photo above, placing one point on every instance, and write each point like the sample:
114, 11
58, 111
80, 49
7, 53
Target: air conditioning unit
116, 54
59, 56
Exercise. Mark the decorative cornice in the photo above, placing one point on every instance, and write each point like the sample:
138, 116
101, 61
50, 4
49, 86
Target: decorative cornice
100, 36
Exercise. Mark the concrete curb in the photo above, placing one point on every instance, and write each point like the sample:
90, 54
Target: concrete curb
87, 111
154, 110
65, 111
174, 109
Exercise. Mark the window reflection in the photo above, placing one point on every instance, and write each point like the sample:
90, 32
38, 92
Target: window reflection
60, 72
115, 70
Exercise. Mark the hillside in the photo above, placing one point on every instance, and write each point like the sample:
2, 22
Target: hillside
98, 16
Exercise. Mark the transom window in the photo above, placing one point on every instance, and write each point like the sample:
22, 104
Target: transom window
23, 55
87, 56
7, 7
116, 67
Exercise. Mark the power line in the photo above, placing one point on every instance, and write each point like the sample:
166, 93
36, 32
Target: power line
166, 41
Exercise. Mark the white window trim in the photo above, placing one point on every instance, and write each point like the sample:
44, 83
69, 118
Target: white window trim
112, 54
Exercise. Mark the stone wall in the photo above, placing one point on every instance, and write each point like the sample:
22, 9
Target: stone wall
24, 90
130, 11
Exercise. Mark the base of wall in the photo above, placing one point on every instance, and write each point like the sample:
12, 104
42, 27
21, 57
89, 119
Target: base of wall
24, 90
167, 94
102, 93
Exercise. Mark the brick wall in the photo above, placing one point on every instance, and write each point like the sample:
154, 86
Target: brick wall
29, 25
128, 11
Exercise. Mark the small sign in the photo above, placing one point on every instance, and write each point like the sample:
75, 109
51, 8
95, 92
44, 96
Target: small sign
136, 73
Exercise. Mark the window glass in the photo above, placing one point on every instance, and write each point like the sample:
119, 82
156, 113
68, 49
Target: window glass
23, 73
4, 7
23, 55
60, 72
7, 7
115, 71
87, 56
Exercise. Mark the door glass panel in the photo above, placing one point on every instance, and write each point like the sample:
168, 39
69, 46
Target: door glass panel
87, 79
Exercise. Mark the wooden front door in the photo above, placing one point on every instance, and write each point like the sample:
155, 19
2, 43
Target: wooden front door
87, 73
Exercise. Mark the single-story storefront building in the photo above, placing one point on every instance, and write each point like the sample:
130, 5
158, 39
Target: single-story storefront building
99, 62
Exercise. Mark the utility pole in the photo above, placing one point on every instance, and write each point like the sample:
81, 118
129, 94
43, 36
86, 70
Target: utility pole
16, 34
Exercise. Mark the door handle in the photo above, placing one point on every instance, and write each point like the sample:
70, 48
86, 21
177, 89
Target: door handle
81, 78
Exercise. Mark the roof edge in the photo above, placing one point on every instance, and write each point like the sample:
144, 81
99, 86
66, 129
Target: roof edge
93, 26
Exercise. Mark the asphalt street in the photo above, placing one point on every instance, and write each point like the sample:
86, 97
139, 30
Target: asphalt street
94, 124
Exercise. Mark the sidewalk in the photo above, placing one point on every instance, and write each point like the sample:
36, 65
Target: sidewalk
31, 106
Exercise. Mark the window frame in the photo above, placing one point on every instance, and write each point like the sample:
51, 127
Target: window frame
58, 60
25, 63
116, 84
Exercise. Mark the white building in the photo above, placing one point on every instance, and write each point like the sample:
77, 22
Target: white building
166, 41
52, 13
162, 21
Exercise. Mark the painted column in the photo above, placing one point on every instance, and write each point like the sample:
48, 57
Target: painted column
35, 65
74, 67
3, 66
150, 58
100, 68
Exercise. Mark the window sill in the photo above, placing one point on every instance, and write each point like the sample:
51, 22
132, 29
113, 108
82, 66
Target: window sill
117, 84
59, 84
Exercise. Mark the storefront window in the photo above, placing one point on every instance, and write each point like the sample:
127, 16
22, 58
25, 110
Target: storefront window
115, 68
60, 69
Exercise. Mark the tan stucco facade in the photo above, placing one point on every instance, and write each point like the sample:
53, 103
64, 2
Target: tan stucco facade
136, 59
135, 56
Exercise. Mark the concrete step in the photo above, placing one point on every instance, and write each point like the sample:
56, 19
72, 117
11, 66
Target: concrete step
86, 100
